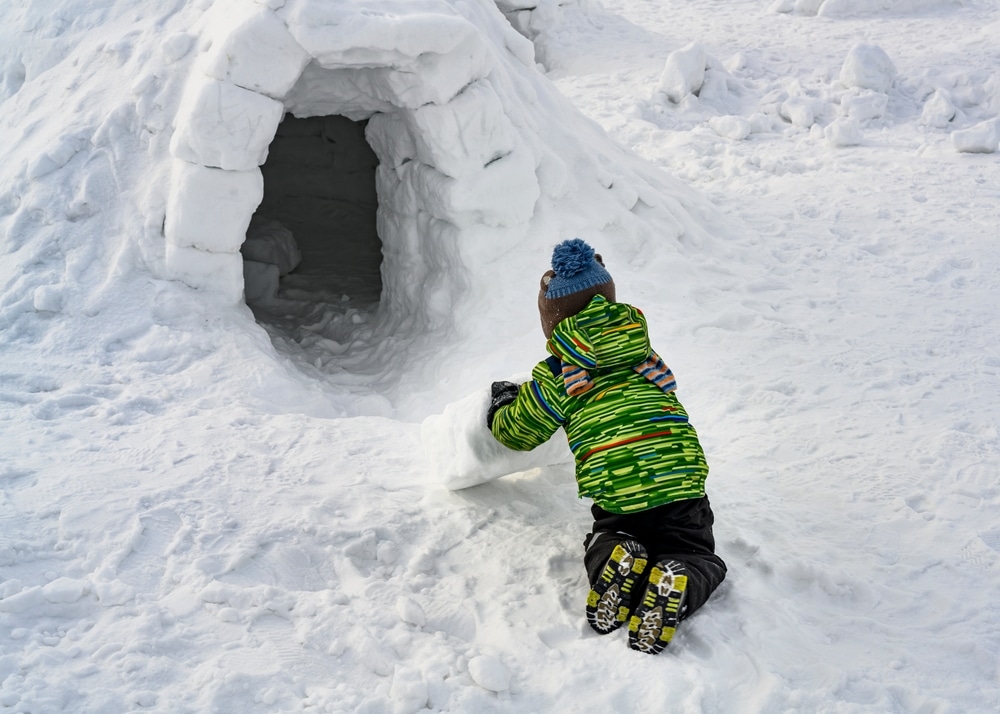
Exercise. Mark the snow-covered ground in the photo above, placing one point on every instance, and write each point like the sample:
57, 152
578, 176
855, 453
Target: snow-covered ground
201, 513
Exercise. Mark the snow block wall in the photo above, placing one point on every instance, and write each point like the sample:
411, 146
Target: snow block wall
447, 150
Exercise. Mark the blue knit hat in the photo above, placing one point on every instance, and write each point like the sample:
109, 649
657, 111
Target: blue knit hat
576, 269
577, 275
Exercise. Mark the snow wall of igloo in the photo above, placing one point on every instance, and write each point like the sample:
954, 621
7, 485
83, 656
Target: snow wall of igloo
450, 161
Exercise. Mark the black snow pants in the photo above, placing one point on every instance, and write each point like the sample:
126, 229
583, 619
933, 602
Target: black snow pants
680, 531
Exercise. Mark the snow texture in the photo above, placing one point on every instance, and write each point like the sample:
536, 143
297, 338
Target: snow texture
983, 138
210, 506
868, 67
462, 452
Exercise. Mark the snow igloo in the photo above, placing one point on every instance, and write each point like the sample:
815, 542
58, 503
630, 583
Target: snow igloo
383, 139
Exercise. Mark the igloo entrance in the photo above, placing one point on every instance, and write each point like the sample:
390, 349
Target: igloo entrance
319, 193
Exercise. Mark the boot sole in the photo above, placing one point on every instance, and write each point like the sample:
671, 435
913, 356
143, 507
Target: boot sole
654, 620
609, 598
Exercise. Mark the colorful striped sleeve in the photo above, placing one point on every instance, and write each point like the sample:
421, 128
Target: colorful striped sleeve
532, 418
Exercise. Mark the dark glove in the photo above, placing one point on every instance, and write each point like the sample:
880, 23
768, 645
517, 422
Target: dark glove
501, 394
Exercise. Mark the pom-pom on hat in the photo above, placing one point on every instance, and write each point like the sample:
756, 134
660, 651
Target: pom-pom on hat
577, 275
576, 268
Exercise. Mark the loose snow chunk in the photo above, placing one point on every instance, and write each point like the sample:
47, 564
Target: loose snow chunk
211, 208
258, 53
939, 111
459, 138
799, 111
489, 673
219, 124
65, 590
409, 690
683, 73
868, 67
462, 451
47, 298
27, 599
409, 610
731, 127
843, 132
983, 138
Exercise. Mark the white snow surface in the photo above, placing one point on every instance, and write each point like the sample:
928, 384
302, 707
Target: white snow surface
200, 512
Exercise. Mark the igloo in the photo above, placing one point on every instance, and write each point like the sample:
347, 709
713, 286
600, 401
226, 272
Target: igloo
473, 162
425, 85
438, 85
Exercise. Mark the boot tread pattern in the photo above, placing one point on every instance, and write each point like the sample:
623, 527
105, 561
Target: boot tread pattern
654, 620
609, 598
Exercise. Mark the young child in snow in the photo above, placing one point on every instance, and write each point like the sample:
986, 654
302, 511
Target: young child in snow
651, 555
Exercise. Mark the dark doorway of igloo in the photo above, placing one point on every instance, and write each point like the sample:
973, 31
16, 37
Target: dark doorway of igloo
313, 239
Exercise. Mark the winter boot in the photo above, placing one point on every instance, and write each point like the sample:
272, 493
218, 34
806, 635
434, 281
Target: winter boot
609, 597
654, 619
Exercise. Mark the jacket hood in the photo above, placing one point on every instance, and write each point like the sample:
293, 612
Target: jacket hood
604, 335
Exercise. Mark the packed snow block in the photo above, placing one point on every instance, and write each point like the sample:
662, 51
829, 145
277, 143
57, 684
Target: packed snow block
868, 67
983, 138
211, 208
684, 73
938, 111
502, 194
459, 138
257, 53
218, 273
270, 241
461, 452
389, 136
397, 190
408, 60
347, 92
221, 125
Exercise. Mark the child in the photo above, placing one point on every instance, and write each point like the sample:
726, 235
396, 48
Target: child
651, 553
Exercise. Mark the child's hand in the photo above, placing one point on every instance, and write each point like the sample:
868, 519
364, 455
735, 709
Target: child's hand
501, 394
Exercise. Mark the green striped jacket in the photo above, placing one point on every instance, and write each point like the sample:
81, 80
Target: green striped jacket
633, 446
